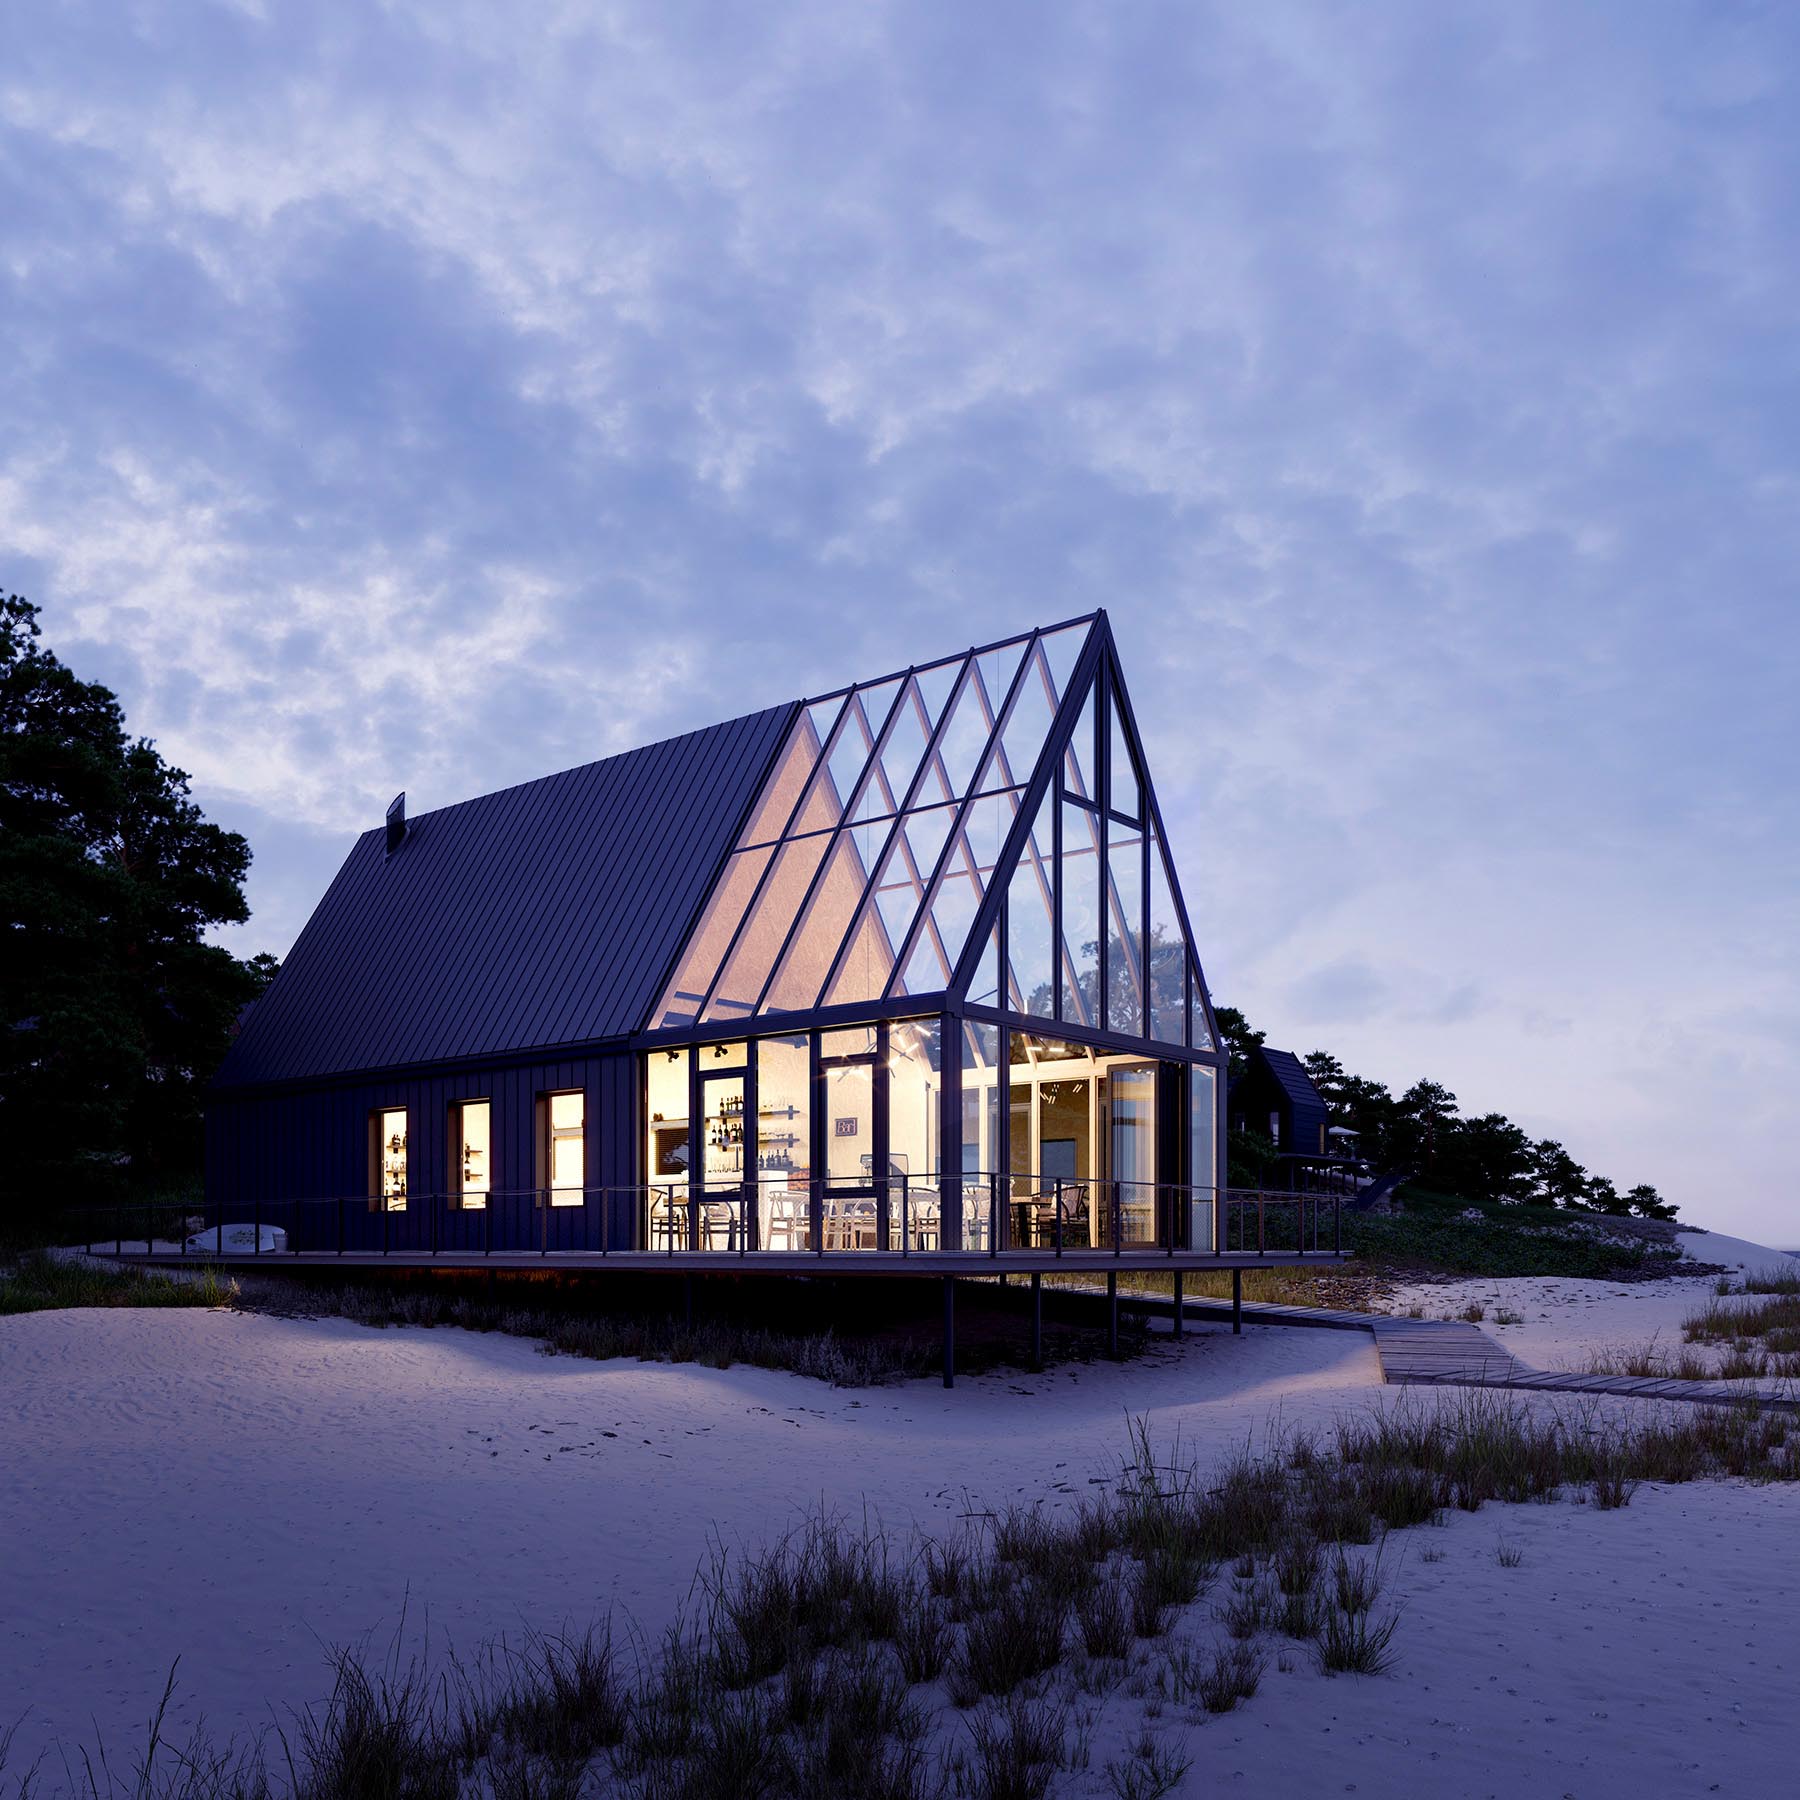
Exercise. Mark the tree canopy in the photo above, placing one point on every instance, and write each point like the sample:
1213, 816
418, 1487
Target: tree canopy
1424, 1133
114, 1010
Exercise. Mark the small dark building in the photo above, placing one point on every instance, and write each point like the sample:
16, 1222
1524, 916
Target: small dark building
1276, 1098
904, 967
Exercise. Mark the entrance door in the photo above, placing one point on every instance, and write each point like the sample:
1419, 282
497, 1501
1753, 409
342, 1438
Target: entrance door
1131, 1149
853, 1202
717, 1210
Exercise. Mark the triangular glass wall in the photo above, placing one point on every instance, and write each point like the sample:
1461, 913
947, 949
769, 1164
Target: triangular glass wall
1089, 929
894, 791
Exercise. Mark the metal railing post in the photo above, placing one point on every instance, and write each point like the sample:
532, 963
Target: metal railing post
1057, 1193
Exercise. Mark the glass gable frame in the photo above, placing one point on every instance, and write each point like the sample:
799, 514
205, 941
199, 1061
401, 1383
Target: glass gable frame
875, 838
871, 853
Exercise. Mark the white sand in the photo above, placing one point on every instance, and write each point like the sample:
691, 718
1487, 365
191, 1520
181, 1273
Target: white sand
239, 1490
1565, 1324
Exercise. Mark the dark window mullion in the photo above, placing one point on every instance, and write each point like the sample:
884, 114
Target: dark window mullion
933, 742
960, 824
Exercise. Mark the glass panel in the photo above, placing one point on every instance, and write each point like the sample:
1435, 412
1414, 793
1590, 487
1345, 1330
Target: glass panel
1083, 1131
983, 1092
1078, 760
915, 1081
469, 1160
1058, 1187
722, 1132
1168, 956
966, 736
1022, 736
984, 985
1203, 1173
391, 1157
1062, 650
850, 1125
940, 944
799, 755
766, 929
986, 828
901, 753
878, 702
998, 668
783, 1142
1131, 1147
1029, 925
847, 758
1123, 796
667, 1148
1199, 1034
1125, 930
568, 1148
936, 685
680, 1004
1080, 914
853, 1040
828, 913
905, 874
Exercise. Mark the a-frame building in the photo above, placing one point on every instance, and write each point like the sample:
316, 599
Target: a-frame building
903, 968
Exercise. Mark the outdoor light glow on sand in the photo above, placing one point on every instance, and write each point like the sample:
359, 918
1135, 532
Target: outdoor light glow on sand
242, 1491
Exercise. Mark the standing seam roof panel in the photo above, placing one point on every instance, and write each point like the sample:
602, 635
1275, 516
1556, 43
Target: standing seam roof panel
541, 915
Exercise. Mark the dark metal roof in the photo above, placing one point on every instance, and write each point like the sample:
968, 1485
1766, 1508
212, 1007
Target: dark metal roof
540, 916
1290, 1072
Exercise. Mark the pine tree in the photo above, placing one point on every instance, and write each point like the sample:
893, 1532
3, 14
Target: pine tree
114, 1010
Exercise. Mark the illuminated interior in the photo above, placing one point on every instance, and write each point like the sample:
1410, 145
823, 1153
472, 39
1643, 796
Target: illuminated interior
886, 821
566, 1147
390, 1157
470, 1140
875, 837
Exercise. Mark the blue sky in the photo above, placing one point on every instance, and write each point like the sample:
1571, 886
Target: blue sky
431, 395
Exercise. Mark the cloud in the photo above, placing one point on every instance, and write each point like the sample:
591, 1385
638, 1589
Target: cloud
398, 397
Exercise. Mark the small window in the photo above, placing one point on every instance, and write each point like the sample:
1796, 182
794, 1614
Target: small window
470, 1164
565, 1156
387, 1161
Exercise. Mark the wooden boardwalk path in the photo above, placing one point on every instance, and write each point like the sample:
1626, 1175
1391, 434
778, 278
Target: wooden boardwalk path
1453, 1353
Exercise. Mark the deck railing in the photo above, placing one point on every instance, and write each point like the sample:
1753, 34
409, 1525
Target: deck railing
991, 1215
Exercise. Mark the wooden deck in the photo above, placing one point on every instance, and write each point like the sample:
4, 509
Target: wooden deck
888, 1264
1453, 1353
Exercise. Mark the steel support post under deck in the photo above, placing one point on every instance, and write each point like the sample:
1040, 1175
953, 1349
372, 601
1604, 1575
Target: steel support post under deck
1112, 1313
1037, 1320
1177, 1331
949, 1331
1237, 1302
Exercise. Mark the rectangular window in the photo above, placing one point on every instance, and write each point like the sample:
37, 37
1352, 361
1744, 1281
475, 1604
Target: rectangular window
387, 1162
1203, 1172
470, 1163
565, 1158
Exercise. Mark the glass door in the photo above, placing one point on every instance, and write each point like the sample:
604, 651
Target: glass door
851, 1200
1131, 1149
724, 1129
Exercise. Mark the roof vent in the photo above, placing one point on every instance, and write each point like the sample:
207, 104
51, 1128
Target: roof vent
396, 821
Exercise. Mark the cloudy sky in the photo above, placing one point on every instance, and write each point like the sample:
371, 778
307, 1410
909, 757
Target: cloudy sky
432, 395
